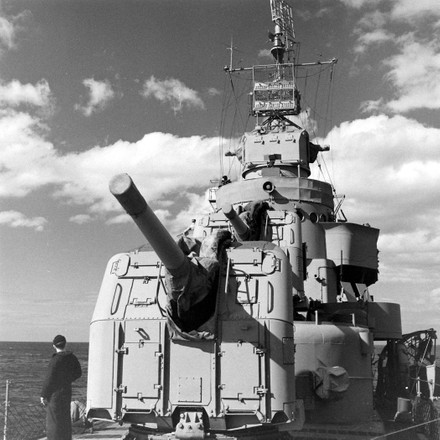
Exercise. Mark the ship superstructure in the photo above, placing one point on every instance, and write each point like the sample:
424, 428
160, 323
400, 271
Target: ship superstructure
258, 322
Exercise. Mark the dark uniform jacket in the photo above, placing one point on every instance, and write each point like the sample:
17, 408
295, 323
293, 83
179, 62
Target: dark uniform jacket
64, 368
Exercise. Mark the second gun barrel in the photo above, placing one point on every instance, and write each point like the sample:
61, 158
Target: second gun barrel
240, 227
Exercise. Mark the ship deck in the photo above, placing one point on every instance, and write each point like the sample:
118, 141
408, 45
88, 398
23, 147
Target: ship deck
103, 430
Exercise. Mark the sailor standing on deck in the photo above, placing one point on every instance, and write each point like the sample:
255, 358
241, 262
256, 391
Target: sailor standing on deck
56, 394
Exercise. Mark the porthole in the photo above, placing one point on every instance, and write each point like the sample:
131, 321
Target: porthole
313, 217
322, 218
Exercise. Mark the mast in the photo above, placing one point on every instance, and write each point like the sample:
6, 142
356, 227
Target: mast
277, 145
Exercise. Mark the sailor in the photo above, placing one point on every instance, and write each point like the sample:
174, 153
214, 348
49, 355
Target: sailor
56, 394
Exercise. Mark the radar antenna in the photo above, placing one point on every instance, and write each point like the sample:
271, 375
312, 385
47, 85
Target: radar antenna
282, 17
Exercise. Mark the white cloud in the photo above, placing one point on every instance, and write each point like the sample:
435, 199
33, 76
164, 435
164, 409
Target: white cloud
368, 39
7, 33
414, 73
400, 9
414, 67
119, 219
172, 91
10, 28
27, 159
86, 175
16, 219
81, 219
29, 162
14, 94
408, 10
358, 4
373, 106
100, 95
388, 169
212, 91
265, 53
393, 177
433, 299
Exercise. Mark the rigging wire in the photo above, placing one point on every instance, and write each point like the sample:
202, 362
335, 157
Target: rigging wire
329, 111
315, 103
229, 126
325, 118
221, 130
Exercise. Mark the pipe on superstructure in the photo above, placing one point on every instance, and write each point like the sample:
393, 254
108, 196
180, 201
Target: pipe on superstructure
240, 227
295, 252
127, 194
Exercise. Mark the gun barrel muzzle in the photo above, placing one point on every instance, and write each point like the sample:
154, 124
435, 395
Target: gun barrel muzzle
127, 194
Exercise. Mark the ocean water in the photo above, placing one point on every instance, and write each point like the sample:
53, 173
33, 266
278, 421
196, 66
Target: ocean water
24, 365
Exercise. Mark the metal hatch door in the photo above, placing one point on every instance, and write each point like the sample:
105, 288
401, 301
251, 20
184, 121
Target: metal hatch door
141, 371
242, 366
192, 372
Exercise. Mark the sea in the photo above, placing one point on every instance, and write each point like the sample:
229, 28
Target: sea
23, 367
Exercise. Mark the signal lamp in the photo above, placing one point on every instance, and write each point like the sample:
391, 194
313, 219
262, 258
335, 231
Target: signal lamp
269, 187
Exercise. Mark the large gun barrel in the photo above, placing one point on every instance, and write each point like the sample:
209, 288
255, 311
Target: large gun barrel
127, 194
240, 227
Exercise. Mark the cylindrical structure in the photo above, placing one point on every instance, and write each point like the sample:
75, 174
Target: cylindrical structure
240, 227
296, 254
329, 345
127, 194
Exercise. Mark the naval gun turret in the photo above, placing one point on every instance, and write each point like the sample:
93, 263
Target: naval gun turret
190, 282
194, 336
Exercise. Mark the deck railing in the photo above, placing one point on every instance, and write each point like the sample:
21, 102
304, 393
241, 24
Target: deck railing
26, 421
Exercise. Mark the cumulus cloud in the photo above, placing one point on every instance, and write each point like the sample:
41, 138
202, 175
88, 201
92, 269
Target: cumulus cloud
413, 64
14, 94
387, 167
26, 162
81, 219
409, 10
10, 27
30, 162
392, 184
7, 33
16, 219
414, 73
172, 91
367, 39
358, 4
265, 53
100, 95
390, 160
212, 91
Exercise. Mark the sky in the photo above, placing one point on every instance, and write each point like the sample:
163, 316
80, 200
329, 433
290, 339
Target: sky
93, 88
